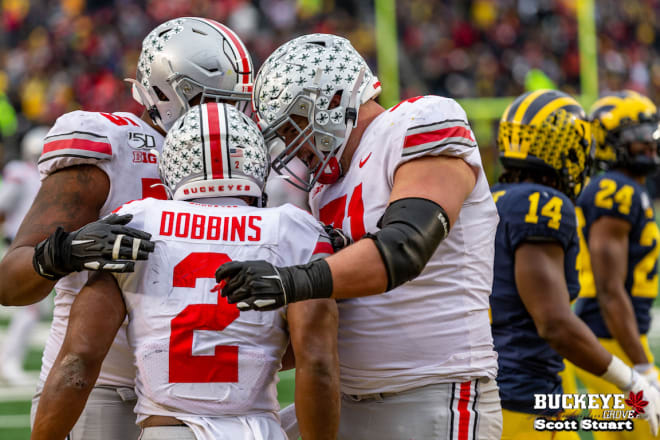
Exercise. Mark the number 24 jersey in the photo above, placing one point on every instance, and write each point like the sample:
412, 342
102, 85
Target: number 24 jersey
613, 194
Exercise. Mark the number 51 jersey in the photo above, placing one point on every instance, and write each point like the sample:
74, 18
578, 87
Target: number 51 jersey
195, 353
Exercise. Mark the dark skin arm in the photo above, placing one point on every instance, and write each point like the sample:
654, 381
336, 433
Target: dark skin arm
447, 181
539, 272
608, 246
313, 328
87, 341
70, 198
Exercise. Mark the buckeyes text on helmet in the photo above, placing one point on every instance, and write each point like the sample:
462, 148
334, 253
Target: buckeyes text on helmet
214, 150
188, 58
321, 78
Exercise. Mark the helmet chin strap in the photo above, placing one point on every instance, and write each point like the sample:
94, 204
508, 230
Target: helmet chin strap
146, 101
334, 164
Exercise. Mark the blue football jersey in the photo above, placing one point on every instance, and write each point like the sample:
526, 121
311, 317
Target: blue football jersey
613, 194
527, 364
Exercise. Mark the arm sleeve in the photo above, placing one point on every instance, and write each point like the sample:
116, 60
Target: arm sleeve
77, 138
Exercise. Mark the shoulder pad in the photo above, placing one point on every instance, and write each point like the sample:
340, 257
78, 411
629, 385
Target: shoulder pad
435, 123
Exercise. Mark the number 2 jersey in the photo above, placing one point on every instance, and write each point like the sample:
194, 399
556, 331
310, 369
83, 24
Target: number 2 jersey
119, 144
433, 329
613, 194
527, 364
196, 354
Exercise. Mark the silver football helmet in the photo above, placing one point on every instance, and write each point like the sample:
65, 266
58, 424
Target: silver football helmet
301, 78
214, 150
187, 57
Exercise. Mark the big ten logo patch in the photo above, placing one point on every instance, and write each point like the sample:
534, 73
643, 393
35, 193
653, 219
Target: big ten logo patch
144, 157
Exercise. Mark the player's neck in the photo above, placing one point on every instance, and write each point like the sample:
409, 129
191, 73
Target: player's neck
368, 112
221, 201
636, 177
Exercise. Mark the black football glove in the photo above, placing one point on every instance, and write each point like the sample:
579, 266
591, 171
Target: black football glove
103, 245
338, 238
258, 285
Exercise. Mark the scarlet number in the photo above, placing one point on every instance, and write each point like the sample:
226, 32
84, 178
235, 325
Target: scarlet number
334, 212
157, 192
119, 120
184, 366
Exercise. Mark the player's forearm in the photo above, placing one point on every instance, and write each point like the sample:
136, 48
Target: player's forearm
64, 396
19, 284
357, 270
619, 316
317, 400
573, 340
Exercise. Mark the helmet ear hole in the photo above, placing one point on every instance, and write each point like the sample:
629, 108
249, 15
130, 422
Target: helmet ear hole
336, 100
162, 96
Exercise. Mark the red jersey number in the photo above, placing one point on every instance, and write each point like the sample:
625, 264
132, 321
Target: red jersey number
334, 213
184, 366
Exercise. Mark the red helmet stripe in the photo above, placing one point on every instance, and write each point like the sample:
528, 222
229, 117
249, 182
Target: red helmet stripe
238, 44
215, 140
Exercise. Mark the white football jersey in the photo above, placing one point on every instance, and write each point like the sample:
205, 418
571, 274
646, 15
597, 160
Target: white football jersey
434, 328
196, 354
19, 188
119, 144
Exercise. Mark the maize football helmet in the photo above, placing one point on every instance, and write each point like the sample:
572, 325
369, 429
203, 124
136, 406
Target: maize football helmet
189, 57
547, 131
301, 78
620, 119
214, 150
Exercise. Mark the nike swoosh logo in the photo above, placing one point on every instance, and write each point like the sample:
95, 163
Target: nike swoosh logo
363, 161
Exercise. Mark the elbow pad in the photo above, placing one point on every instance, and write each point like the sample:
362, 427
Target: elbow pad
411, 230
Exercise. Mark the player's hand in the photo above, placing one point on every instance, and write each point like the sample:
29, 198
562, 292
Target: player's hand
258, 285
650, 373
103, 245
338, 238
651, 395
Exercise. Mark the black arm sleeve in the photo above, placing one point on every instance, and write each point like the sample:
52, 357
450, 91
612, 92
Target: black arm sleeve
411, 230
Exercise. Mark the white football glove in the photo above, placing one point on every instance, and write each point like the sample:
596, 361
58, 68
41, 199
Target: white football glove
650, 373
629, 380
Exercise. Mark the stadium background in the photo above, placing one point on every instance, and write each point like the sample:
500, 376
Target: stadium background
62, 55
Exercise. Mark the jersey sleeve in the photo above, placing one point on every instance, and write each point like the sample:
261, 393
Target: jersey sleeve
77, 138
612, 196
302, 238
437, 126
538, 216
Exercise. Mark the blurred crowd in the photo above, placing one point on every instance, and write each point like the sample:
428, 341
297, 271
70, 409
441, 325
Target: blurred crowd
61, 55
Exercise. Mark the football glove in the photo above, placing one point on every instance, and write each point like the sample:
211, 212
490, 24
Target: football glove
103, 245
629, 380
649, 372
258, 285
338, 238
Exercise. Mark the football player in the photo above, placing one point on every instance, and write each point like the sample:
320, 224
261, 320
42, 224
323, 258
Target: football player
620, 280
545, 146
416, 361
204, 370
91, 164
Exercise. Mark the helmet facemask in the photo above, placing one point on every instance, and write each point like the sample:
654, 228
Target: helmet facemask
322, 79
